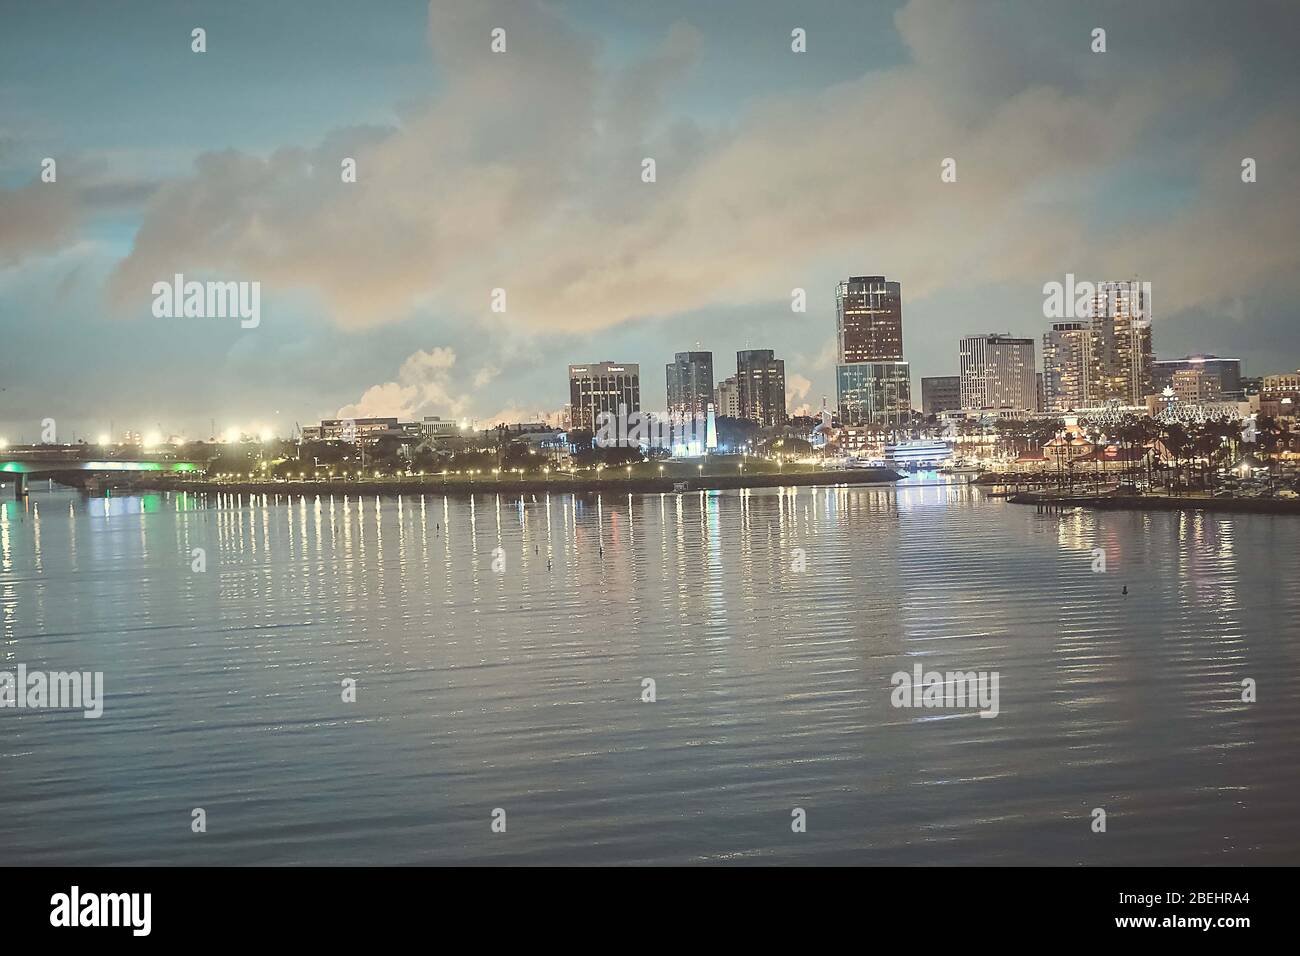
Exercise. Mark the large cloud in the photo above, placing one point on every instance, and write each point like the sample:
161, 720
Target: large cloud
36, 219
423, 386
523, 172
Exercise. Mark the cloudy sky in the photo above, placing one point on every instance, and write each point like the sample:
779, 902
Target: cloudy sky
522, 170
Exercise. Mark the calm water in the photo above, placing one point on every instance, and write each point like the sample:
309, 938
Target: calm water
522, 689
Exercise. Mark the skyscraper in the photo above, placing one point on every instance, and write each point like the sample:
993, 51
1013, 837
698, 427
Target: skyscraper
760, 381
997, 371
602, 387
873, 384
690, 383
1121, 342
874, 393
869, 319
1067, 367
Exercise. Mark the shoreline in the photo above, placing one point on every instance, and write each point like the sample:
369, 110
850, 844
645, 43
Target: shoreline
404, 486
1271, 506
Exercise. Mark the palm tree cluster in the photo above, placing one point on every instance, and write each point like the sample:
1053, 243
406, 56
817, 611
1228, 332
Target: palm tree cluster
1175, 455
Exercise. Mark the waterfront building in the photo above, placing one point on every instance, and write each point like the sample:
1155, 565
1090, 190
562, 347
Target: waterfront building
690, 383
997, 371
869, 319
1121, 343
874, 393
862, 441
760, 380
872, 382
602, 387
1073, 452
1067, 366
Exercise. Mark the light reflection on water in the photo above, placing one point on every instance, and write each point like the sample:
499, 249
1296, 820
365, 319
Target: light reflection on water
521, 689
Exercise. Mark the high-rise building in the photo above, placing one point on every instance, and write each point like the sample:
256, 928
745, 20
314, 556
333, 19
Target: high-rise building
727, 400
602, 387
997, 371
1121, 342
869, 319
1067, 367
1226, 370
760, 380
940, 393
872, 382
874, 393
690, 383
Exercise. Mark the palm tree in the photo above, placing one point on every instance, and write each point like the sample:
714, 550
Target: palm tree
1267, 434
1286, 439
1179, 443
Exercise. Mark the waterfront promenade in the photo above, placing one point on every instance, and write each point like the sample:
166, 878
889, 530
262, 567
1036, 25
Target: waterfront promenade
555, 483
1193, 502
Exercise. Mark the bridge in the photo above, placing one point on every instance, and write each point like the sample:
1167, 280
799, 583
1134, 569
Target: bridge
68, 465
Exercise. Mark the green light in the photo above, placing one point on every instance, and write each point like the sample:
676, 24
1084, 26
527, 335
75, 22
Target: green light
43, 466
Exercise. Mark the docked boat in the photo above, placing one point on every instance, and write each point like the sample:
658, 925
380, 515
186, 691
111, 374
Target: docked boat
918, 453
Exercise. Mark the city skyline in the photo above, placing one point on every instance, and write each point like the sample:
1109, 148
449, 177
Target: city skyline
1107, 358
378, 306
583, 433
1077, 373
